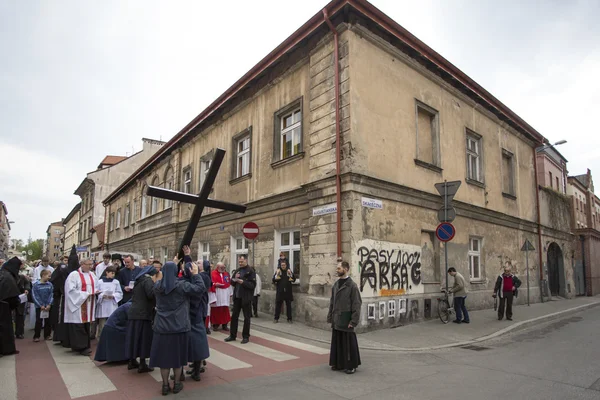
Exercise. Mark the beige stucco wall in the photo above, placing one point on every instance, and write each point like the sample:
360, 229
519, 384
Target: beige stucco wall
383, 94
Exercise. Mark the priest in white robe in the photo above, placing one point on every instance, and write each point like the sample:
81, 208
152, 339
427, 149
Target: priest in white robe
222, 290
81, 288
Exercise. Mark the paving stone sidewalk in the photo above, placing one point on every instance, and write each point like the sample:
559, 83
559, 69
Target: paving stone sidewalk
433, 334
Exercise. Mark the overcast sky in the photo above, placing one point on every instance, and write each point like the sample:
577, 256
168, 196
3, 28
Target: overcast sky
83, 79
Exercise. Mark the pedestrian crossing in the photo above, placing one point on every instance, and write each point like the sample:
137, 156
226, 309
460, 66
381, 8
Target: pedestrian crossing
67, 375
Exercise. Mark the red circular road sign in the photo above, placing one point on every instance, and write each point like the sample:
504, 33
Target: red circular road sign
250, 230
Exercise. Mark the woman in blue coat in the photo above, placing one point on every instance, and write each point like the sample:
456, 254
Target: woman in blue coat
170, 345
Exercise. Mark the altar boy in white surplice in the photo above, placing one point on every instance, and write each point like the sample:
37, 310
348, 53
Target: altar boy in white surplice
81, 288
109, 297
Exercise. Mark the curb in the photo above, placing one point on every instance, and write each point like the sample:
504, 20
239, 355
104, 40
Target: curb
515, 327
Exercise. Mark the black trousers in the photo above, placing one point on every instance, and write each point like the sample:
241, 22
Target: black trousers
38, 325
53, 320
238, 306
20, 320
507, 298
255, 305
288, 309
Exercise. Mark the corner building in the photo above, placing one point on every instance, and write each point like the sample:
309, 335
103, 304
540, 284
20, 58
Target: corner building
407, 119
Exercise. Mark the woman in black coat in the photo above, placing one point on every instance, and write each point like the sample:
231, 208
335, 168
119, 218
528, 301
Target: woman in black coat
283, 279
9, 300
170, 343
139, 324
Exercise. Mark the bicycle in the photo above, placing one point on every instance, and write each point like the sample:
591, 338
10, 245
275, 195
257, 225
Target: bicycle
445, 307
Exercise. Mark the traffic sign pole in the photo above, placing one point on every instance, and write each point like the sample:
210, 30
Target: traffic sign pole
250, 231
527, 264
445, 219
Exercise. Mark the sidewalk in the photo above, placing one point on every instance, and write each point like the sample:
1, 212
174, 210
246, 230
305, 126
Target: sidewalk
432, 334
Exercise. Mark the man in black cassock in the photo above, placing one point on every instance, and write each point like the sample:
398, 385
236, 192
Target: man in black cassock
58, 282
9, 300
344, 316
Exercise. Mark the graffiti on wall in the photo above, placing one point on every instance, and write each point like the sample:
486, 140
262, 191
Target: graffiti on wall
387, 269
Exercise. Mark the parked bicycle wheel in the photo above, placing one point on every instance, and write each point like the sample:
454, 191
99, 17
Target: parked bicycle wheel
444, 310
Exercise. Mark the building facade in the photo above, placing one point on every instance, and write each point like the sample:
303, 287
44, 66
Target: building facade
585, 209
4, 231
110, 173
353, 177
71, 224
54, 240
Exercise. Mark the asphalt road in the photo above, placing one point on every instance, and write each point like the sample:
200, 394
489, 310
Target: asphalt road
558, 360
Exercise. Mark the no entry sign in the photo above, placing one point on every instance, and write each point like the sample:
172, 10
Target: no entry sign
250, 230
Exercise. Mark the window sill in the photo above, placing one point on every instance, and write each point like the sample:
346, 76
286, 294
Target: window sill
289, 160
475, 183
509, 196
431, 167
477, 282
240, 179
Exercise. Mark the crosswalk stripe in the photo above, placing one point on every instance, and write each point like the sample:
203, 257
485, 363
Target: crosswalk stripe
291, 343
263, 351
8, 377
76, 371
225, 362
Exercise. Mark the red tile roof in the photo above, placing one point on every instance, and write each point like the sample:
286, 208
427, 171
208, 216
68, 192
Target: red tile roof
112, 160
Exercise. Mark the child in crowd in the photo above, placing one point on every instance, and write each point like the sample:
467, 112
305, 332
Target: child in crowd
109, 297
43, 296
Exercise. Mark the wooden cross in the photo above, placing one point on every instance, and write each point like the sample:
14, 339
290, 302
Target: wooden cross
200, 201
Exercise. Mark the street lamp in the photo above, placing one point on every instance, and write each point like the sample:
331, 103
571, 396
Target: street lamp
544, 147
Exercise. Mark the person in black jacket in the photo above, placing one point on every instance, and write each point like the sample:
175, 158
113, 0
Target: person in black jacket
24, 284
243, 281
139, 324
9, 300
506, 287
283, 279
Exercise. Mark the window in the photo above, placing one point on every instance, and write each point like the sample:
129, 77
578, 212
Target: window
127, 216
427, 126
144, 205
134, 211
187, 180
204, 251
169, 185
204, 168
508, 184
288, 243
155, 200
475, 259
557, 185
165, 252
241, 162
57, 239
551, 182
239, 246
118, 218
474, 157
57, 231
290, 134
111, 222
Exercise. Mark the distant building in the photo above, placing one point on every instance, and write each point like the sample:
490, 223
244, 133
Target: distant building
54, 243
110, 173
586, 209
4, 231
71, 235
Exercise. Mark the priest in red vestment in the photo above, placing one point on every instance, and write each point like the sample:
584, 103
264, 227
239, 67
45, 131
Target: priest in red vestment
221, 287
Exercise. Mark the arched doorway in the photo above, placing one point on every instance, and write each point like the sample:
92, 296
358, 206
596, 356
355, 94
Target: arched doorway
556, 270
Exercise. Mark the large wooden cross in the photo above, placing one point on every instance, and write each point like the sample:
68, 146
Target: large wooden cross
200, 201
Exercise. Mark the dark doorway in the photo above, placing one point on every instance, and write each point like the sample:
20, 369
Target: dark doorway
556, 270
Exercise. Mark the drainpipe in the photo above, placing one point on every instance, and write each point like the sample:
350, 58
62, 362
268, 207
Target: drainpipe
585, 280
539, 223
338, 179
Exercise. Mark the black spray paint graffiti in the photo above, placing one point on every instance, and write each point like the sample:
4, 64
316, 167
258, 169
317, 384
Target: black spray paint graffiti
378, 264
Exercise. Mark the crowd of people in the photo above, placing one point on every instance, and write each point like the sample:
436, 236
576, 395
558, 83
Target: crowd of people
153, 315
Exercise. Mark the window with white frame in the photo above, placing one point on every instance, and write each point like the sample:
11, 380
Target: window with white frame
111, 223
204, 251
242, 156
127, 216
118, 218
291, 134
288, 243
144, 204
475, 259
204, 167
165, 253
239, 246
508, 173
428, 135
155, 200
187, 180
474, 158
169, 186
134, 211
